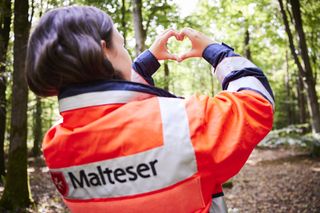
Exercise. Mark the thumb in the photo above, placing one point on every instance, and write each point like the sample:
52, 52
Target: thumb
173, 57
169, 33
189, 54
188, 32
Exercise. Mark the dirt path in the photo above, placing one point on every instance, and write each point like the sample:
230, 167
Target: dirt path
276, 181
271, 181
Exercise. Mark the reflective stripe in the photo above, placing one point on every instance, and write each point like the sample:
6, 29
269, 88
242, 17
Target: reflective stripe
175, 129
100, 98
250, 82
230, 64
163, 166
218, 205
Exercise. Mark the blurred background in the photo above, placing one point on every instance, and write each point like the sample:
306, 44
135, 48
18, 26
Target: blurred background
282, 37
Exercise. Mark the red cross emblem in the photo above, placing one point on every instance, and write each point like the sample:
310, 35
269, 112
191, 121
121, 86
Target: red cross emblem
60, 182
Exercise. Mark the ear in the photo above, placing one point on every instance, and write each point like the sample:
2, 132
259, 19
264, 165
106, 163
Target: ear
104, 48
108, 52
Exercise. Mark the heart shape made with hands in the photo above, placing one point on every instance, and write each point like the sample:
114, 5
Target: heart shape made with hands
179, 47
171, 42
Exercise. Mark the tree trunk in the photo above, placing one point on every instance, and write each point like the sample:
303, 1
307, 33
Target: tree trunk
301, 100
288, 90
16, 194
309, 82
5, 21
299, 81
123, 21
247, 52
37, 128
306, 73
314, 41
290, 38
166, 76
139, 31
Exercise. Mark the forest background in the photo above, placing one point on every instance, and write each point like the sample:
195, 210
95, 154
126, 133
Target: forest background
282, 37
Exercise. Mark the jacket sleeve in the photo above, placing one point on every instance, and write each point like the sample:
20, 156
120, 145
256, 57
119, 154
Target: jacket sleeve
240, 116
143, 67
237, 73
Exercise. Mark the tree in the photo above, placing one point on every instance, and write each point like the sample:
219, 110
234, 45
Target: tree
301, 99
139, 31
123, 20
37, 128
5, 22
309, 81
247, 52
306, 71
16, 193
166, 76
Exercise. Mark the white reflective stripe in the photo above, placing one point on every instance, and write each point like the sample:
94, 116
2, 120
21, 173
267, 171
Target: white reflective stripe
99, 98
135, 77
218, 205
162, 166
230, 64
249, 82
175, 121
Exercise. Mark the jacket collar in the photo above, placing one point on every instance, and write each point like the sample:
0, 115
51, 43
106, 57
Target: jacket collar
106, 92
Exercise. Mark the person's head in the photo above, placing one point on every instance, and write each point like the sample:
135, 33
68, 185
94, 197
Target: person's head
74, 45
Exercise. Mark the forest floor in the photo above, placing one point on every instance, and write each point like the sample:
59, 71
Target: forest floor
273, 180
276, 180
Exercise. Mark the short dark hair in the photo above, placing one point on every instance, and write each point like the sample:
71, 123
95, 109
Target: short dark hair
65, 49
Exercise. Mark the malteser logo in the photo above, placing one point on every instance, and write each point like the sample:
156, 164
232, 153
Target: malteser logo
103, 175
60, 182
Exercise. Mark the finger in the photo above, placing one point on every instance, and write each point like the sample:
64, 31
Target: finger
188, 55
189, 32
173, 57
160, 35
179, 37
168, 34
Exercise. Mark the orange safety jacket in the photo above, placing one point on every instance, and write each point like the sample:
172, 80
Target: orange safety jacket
130, 147
144, 66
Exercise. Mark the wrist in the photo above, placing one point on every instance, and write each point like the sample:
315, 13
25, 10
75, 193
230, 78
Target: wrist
151, 62
153, 51
152, 54
215, 52
208, 45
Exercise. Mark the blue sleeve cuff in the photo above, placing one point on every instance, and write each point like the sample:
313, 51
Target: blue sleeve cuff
215, 53
146, 64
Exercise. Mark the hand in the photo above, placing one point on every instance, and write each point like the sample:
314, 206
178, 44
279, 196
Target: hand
198, 40
159, 47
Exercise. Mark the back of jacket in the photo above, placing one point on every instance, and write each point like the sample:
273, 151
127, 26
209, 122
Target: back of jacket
130, 147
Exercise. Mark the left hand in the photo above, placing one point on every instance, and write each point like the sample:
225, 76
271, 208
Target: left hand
159, 47
199, 43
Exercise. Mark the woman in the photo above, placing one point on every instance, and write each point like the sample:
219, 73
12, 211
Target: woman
125, 146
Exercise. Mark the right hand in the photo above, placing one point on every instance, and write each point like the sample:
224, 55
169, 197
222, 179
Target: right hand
198, 40
159, 47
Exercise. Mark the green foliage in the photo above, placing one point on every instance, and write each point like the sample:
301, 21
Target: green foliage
228, 184
223, 20
311, 20
228, 20
290, 135
297, 136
